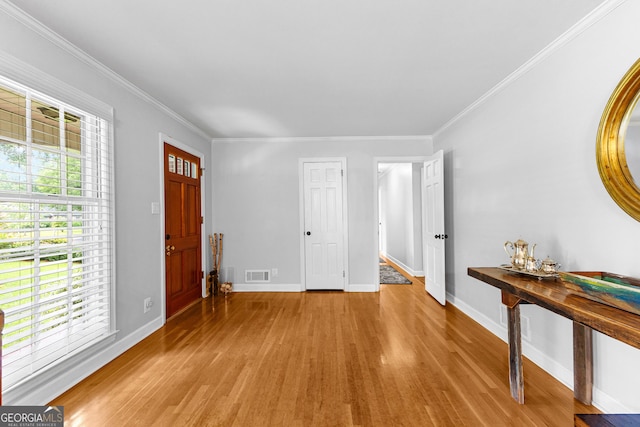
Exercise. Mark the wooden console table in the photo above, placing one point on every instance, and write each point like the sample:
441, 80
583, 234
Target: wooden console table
551, 294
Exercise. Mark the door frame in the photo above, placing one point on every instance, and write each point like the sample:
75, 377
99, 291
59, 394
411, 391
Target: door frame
345, 217
203, 209
376, 205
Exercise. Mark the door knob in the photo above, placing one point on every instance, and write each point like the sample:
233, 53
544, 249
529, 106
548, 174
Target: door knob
308, 233
441, 236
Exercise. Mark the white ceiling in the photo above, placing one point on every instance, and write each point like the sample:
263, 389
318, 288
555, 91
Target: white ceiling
312, 68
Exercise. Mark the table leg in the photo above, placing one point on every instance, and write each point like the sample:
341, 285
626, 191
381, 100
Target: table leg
582, 363
516, 375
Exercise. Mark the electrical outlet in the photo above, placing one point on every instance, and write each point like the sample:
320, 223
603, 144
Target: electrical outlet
274, 272
147, 304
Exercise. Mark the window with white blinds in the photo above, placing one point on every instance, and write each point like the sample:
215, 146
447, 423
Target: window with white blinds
56, 230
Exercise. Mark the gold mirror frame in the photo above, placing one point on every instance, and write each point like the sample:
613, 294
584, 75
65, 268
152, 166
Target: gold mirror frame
612, 162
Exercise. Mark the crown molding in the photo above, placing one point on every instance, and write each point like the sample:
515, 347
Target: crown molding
585, 23
42, 30
401, 138
16, 72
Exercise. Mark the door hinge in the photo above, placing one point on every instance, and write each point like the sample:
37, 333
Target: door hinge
343, 274
341, 172
202, 274
201, 220
201, 171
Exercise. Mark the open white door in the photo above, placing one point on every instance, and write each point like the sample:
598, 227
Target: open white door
323, 225
434, 234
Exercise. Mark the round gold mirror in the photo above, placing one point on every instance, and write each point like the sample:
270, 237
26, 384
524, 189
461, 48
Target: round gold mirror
618, 144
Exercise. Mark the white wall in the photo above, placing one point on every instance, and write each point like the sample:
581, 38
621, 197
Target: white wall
139, 238
522, 165
256, 203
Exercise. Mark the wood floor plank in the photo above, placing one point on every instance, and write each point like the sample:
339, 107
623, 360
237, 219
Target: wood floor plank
318, 359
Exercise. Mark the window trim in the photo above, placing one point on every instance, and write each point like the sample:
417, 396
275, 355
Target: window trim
15, 72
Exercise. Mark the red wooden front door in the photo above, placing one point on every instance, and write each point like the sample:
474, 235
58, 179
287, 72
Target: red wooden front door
183, 249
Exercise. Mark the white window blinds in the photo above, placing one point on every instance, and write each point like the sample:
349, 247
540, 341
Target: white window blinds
56, 228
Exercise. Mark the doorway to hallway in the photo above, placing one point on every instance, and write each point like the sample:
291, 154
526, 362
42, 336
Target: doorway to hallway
400, 217
410, 218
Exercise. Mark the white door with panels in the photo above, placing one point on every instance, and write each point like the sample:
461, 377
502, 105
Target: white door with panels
434, 233
323, 225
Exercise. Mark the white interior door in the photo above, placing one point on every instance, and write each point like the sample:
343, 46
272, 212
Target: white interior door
323, 225
434, 232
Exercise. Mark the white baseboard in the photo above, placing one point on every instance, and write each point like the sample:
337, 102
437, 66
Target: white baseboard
294, 287
550, 365
601, 400
52, 383
403, 266
558, 371
267, 287
608, 404
493, 327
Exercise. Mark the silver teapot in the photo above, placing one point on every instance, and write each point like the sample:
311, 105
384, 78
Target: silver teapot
520, 253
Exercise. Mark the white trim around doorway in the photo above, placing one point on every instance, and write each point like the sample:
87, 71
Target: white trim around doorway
376, 230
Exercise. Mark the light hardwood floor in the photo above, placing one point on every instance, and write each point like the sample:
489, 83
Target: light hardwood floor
391, 358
